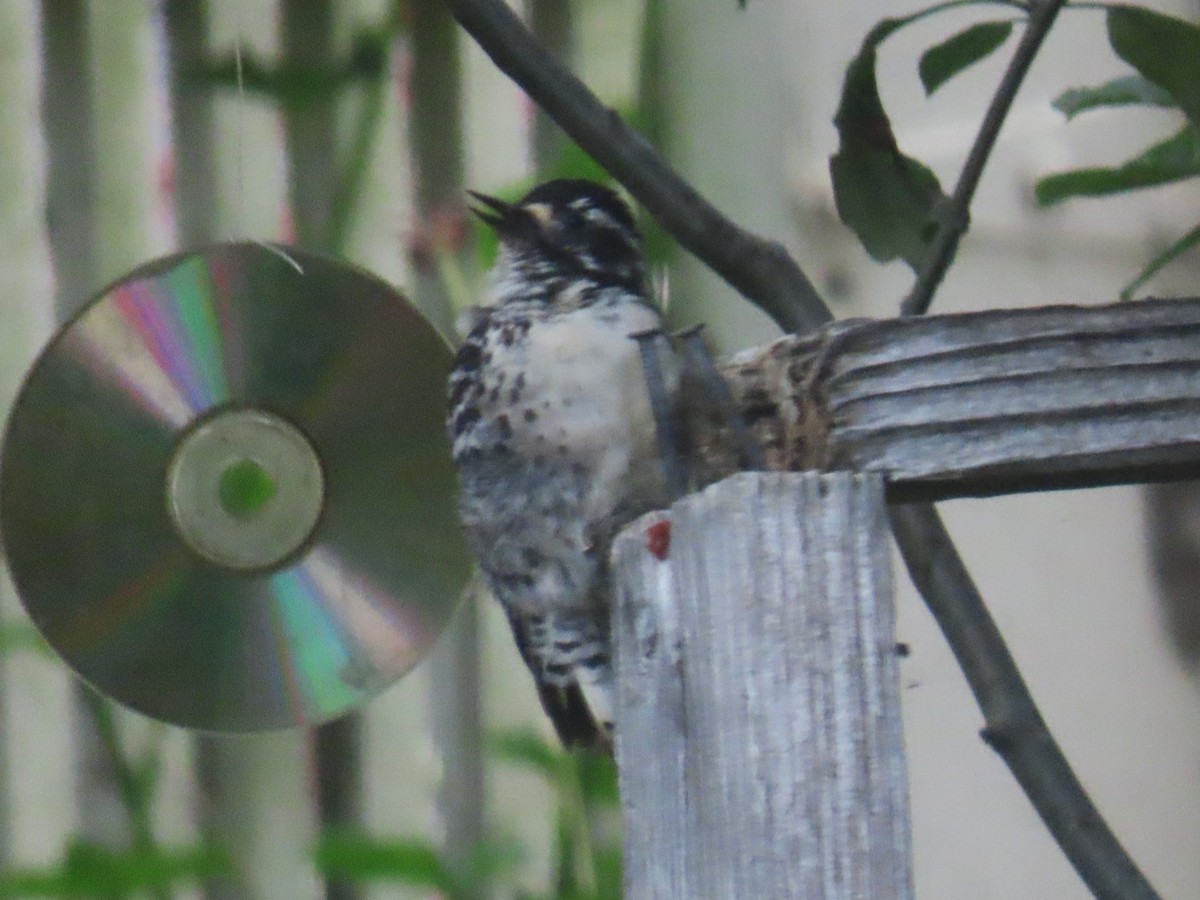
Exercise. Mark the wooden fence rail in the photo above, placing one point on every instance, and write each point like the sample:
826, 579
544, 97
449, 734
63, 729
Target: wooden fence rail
1001, 401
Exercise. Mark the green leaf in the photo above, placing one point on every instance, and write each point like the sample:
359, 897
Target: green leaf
942, 62
1176, 158
890, 200
91, 871
1162, 48
364, 858
609, 872
1176, 250
529, 750
597, 773
361, 857
1129, 90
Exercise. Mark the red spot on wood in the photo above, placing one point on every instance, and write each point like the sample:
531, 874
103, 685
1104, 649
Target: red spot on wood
658, 539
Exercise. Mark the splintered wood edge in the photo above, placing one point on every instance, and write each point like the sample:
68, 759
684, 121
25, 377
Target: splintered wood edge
969, 404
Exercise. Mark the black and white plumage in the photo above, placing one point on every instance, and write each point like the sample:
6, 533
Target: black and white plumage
553, 434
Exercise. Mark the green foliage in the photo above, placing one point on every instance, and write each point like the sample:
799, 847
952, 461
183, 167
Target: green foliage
1129, 90
352, 856
1165, 53
890, 200
596, 775
586, 856
1164, 50
528, 750
346, 855
943, 61
586, 861
87, 870
297, 85
1176, 158
90, 871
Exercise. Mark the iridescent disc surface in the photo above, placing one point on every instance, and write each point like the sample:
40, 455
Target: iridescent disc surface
225, 495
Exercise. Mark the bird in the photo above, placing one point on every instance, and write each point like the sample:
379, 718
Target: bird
553, 435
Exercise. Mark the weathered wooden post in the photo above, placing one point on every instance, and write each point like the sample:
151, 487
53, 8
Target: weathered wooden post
758, 714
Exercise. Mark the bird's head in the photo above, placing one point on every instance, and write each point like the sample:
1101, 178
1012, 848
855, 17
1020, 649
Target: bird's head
564, 238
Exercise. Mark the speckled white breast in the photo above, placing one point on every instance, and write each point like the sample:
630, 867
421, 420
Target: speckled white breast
584, 399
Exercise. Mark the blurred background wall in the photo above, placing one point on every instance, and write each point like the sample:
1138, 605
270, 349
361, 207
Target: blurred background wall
126, 134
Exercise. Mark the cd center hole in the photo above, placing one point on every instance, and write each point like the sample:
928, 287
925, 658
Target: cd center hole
245, 487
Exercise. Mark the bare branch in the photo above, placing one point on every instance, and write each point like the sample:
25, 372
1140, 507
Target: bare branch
955, 217
761, 270
1015, 729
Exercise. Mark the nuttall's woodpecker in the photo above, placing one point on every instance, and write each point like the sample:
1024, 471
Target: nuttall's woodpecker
553, 434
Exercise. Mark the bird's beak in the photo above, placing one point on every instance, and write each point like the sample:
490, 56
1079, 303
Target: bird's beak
494, 212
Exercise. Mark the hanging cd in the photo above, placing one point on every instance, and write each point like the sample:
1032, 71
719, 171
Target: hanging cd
225, 495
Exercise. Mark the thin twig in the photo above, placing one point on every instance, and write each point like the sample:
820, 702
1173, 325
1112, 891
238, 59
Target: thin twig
954, 218
1015, 729
759, 269
771, 280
